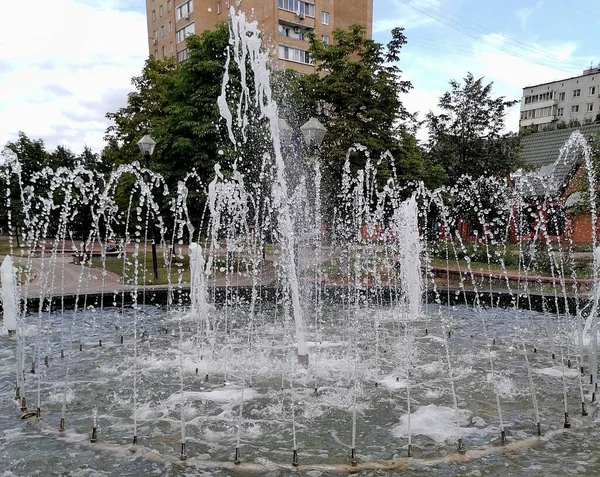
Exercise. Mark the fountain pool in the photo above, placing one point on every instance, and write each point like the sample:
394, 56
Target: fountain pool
363, 360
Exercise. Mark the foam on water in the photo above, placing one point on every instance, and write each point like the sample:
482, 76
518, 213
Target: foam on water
438, 423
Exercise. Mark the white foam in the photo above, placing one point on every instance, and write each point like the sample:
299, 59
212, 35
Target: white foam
439, 423
557, 372
392, 382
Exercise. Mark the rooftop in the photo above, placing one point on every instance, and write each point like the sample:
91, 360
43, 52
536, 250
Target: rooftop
551, 171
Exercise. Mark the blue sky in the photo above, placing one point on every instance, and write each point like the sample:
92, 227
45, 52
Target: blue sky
58, 82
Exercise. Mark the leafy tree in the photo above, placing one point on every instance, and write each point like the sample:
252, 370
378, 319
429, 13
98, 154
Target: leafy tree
145, 108
355, 92
467, 137
35, 161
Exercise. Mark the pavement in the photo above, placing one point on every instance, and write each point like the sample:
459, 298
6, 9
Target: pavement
68, 278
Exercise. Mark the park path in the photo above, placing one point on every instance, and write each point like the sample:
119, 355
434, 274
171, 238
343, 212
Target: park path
65, 278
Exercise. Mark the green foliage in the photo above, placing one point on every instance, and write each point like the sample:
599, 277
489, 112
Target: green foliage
355, 92
35, 159
466, 137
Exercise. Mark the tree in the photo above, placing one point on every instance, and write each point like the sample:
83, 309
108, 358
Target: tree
39, 168
467, 137
178, 106
144, 110
355, 92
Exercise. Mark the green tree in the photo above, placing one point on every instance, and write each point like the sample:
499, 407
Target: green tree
355, 92
146, 107
467, 136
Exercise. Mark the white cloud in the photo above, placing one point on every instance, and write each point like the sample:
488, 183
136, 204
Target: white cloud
74, 66
398, 12
510, 74
524, 13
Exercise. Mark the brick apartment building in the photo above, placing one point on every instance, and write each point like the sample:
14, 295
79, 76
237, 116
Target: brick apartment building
284, 23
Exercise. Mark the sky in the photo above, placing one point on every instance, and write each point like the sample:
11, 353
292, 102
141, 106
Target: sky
76, 59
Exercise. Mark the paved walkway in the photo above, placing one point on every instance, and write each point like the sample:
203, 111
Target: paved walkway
68, 278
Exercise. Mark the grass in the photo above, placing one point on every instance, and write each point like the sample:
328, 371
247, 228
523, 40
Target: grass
125, 267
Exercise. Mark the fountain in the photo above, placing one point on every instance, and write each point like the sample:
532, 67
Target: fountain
426, 351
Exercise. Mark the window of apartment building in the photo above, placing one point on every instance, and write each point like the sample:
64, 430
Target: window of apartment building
155, 35
297, 6
576, 93
168, 5
182, 55
589, 107
160, 11
170, 27
545, 96
561, 96
153, 15
592, 90
575, 109
560, 112
219, 8
293, 54
529, 114
291, 32
171, 48
156, 54
164, 51
184, 32
162, 31
325, 39
185, 9
325, 18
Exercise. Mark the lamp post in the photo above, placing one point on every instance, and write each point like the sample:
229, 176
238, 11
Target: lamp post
147, 145
314, 132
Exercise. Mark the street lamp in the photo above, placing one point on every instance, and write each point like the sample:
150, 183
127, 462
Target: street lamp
313, 132
147, 145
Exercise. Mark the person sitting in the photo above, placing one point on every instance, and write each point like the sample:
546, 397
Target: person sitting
111, 246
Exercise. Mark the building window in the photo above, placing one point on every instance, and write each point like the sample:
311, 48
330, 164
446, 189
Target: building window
184, 10
171, 48
164, 51
153, 15
576, 93
155, 35
561, 96
589, 107
293, 54
168, 5
297, 6
592, 90
162, 31
219, 8
325, 18
186, 31
325, 39
560, 112
160, 11
182, 55
156, 54
575, 109
170, 27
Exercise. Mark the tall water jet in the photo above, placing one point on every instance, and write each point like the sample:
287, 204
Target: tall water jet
9, 295
198, 284
247, 47
406, 231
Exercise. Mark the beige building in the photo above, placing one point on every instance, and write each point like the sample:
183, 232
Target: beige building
577, 98
284, 23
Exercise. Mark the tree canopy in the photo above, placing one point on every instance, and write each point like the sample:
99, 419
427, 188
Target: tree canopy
356, 93
467, 136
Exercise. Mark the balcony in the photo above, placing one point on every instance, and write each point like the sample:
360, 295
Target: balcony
296, 20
